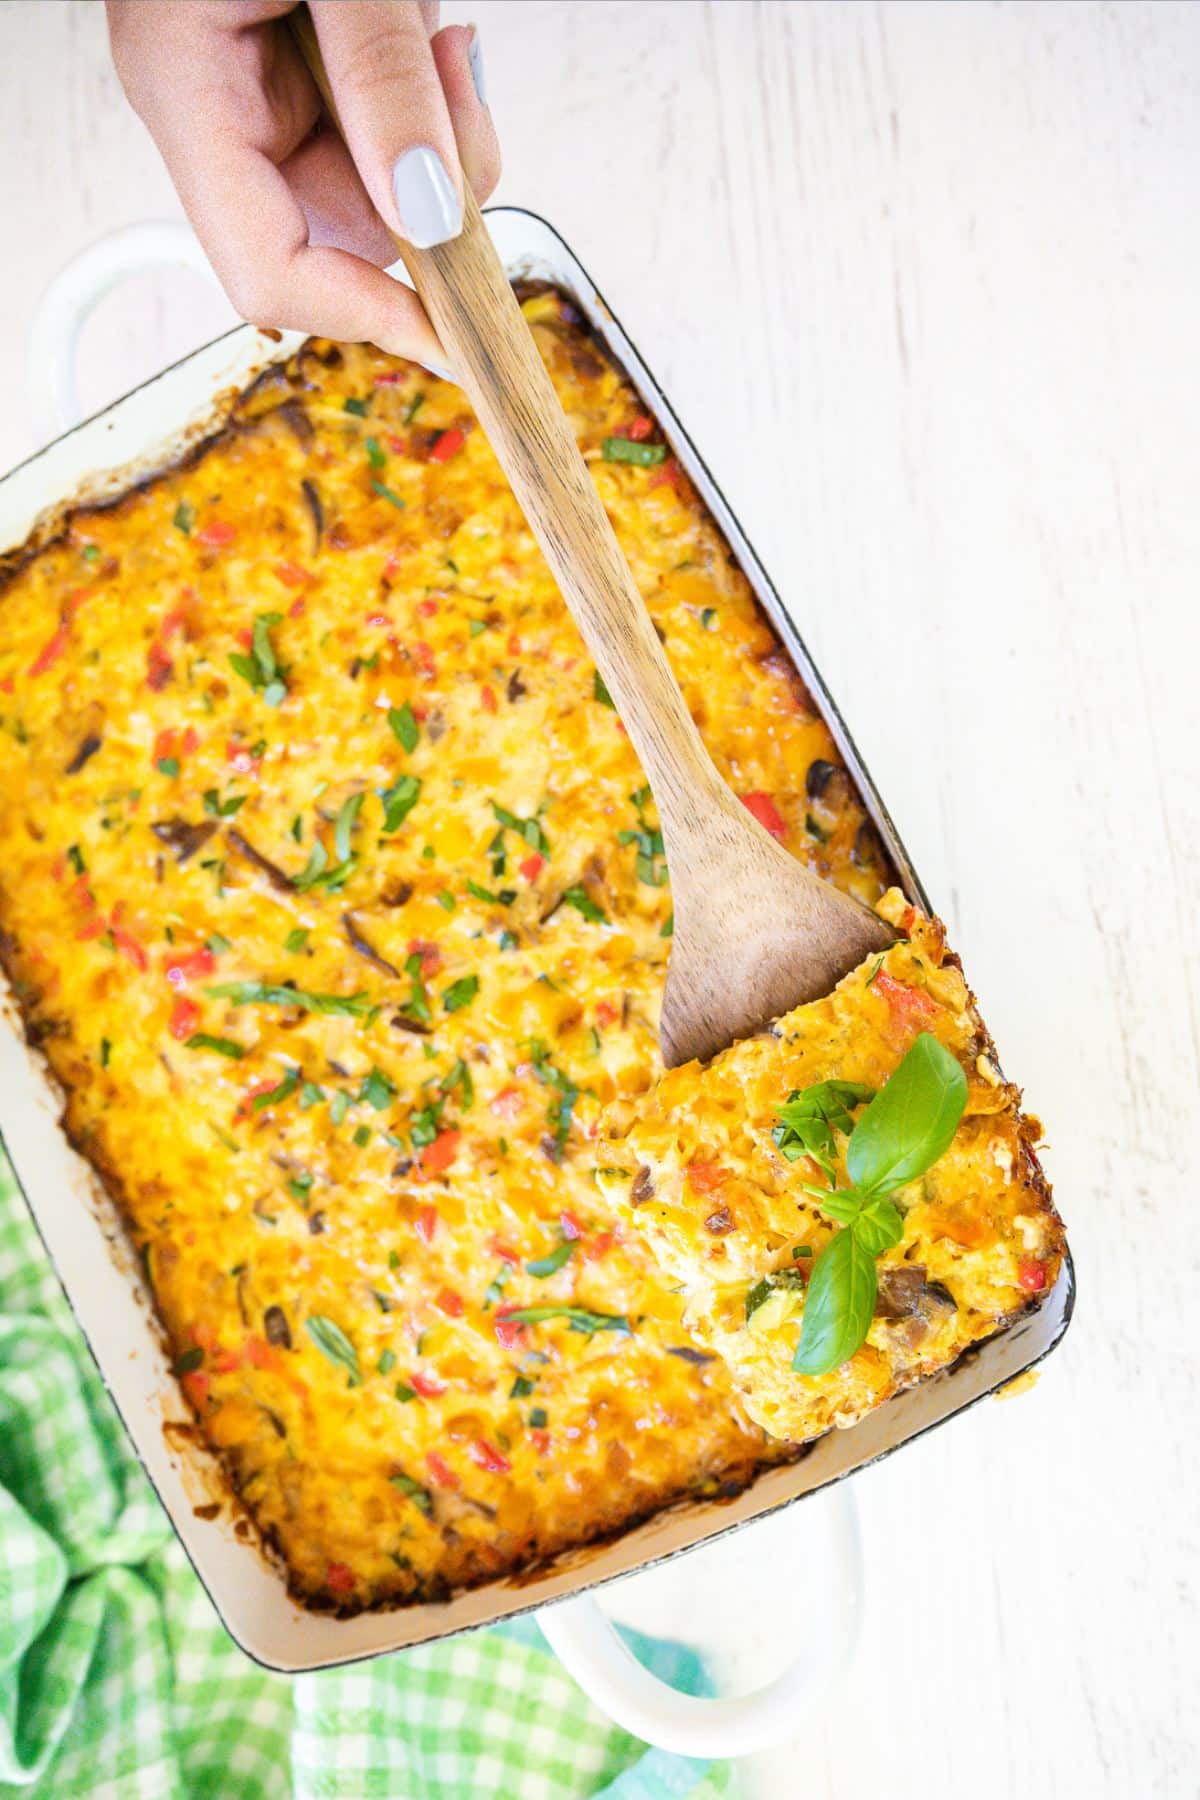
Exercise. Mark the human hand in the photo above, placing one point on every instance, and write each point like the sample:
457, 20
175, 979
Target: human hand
295, 219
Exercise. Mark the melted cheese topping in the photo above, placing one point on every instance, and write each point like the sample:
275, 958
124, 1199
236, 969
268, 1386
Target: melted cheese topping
695, 1167
328, 890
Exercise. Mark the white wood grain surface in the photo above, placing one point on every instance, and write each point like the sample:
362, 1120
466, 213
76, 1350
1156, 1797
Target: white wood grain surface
923, 281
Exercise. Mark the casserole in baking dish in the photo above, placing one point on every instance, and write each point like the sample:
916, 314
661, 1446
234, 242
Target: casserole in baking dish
334, 903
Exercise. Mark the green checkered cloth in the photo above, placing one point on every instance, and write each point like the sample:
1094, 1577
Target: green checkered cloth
118, 1681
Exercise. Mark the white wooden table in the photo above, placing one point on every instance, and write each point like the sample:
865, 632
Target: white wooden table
923, 281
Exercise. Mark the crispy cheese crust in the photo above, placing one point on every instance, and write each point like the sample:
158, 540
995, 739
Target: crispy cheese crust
305, 719
695, 1168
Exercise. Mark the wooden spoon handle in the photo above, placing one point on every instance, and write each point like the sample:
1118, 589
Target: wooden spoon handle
472, 306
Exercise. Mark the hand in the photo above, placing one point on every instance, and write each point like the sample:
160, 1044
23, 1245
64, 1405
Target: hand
292, 217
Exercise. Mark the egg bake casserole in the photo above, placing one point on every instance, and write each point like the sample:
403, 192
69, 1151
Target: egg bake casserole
331, 891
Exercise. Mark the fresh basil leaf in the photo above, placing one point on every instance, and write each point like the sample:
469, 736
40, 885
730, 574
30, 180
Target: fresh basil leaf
809, 1117
839, 1307
911, 1121
878, 1224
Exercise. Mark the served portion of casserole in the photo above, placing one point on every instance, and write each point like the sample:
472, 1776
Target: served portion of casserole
331, 891
750, 1177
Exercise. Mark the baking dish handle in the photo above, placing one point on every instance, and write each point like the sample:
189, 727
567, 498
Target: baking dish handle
75, 291
588, 1645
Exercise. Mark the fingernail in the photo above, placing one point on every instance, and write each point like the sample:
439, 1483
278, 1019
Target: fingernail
475, 59
430, 209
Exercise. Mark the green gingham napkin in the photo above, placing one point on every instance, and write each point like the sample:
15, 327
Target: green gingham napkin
118, 1682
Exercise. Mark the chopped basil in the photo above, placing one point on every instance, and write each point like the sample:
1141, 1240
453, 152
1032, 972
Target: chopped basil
359, 408
169, 766
418, 998
398, 801
404, 725
218, 808
184, 518
261, 668
539, 1418
333, 1344
387, 493
414, 407
261, 993
189, 1361
505, 897
296, 939
416, 1493
217, 944
342, 830
601, 693
339, 1106
277, 1095
446, 900
521, 1388
581, 900
578, 1317
762, 1290
529, 829
809, 1117
460, 993
550, 1264
387, 1362
377, 1091
311, 1095
375, 455
105, 1052
403, 1392
202, 1040
75, 858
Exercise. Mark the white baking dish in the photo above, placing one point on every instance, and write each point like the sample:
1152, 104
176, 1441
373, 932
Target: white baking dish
83, 1233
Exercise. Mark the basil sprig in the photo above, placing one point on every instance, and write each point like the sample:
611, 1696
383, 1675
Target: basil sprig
907, 1127
807, 1120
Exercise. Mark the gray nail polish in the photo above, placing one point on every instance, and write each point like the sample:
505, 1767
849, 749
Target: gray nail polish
475, 59
430, 210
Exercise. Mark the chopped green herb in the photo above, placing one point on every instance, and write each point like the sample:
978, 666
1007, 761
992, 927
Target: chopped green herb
105, 1052
529, 829
218, 944
505, 897
387, 1361
809, 1117
414, 407
418, 998
344, 827
650, 863
507, 940
405, 1393
581, 900
770, 1283
375, 455
475, 627
261, 669
296, 939
300, 1185
387, 493
359, 408
543, 1266
578, 1317
333, 1344
278, 1095
601, 693
398, 802
185, 517
90, 553
377, 1091
262, 993
874, 972
460, 993
75, 858
339, 1106
311, 1095
404, 725
201, 1040
169, 766
708, 617
627, 450
668, 929
218, 808
416, 1493
521, 1388
539, 1418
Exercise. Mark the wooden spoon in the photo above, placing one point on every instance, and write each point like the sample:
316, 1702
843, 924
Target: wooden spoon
755, 932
